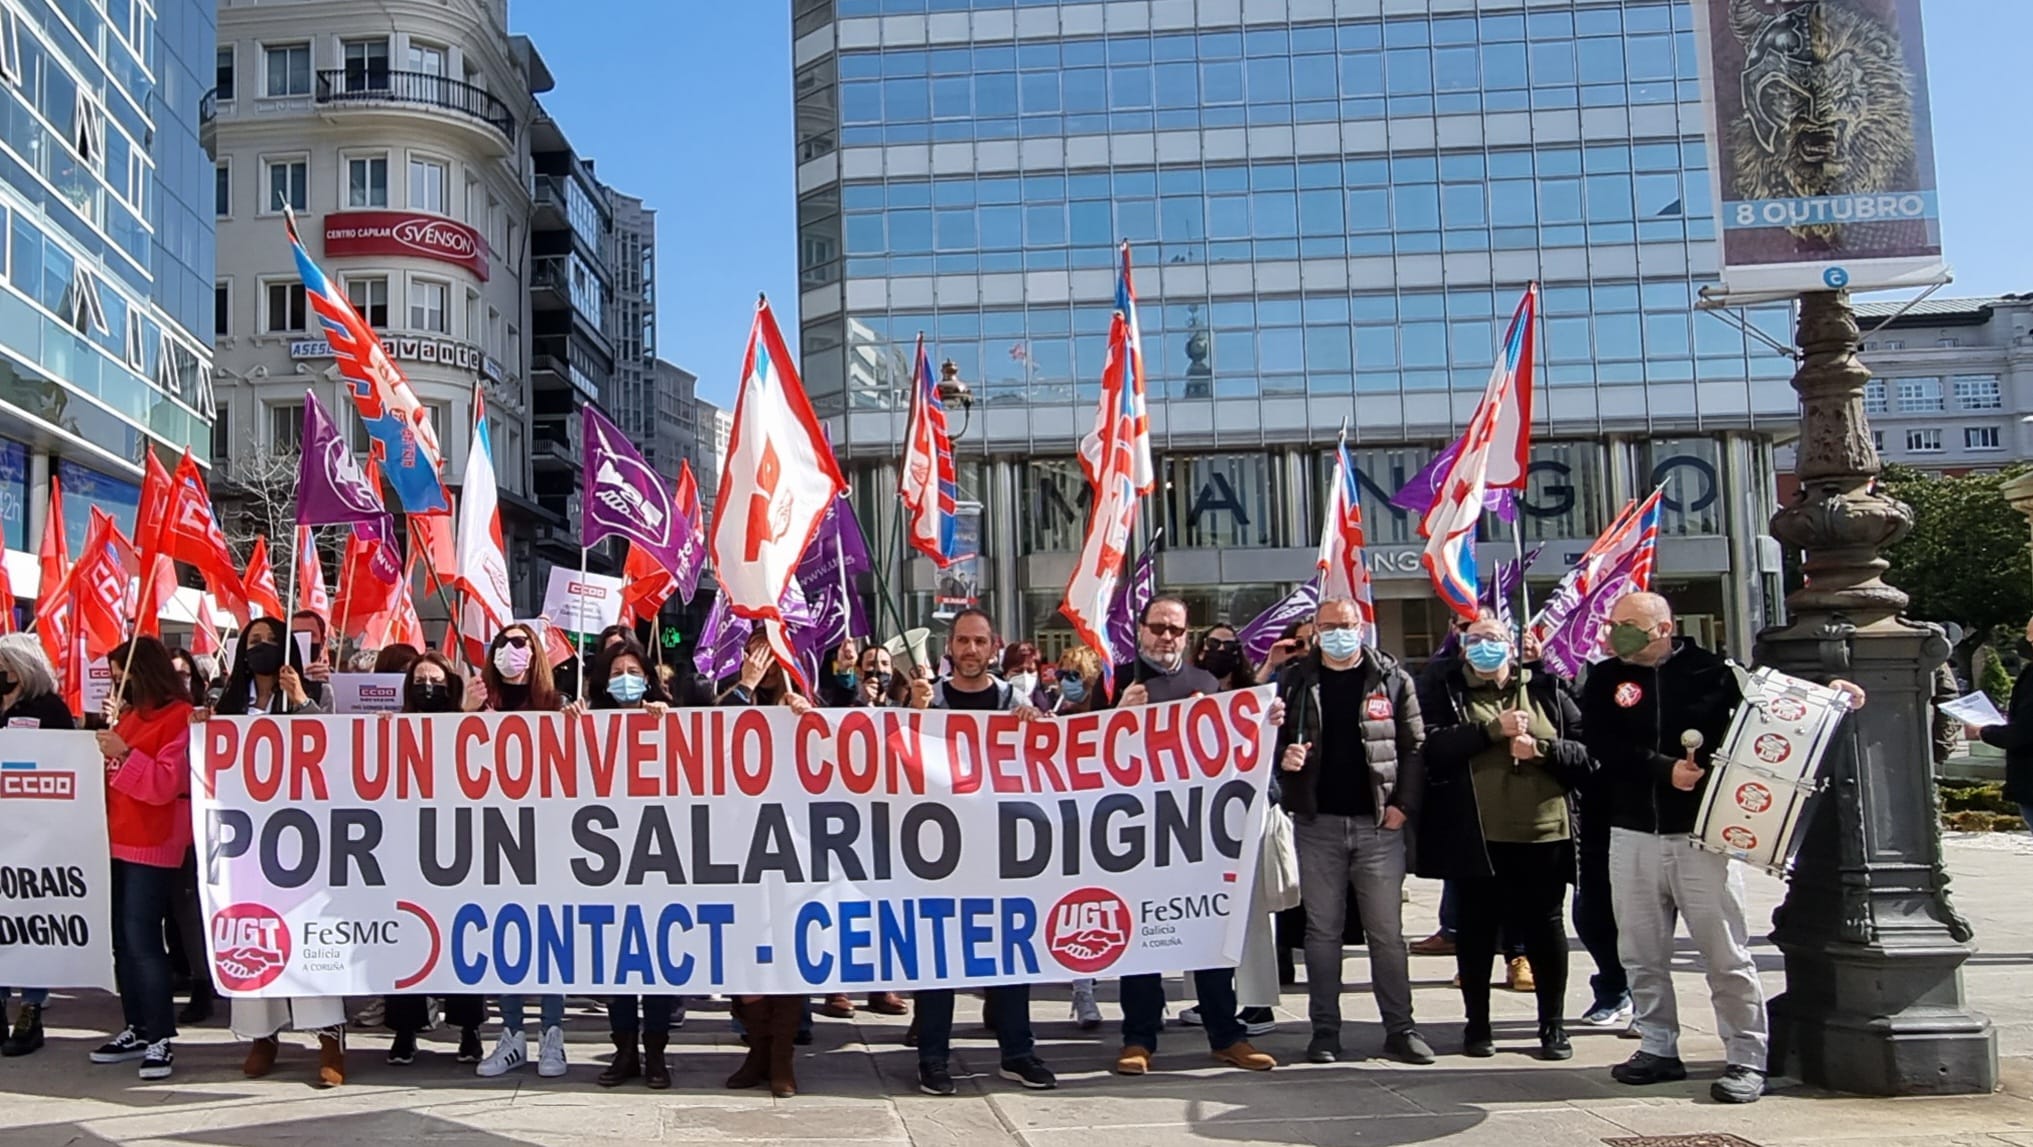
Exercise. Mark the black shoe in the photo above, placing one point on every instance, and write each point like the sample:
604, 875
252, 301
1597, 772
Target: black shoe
1323, 1049
1553, 1042
121, 1048
1644, 1069
156, 1060
1029, 1071
802, 1039
1739, 1084
1477, 1042
402, 1052
470, 1050
198, 1011
1408, 1047
934, 1079
27, 1036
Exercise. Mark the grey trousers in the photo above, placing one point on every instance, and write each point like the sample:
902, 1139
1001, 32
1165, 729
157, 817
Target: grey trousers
1655, 880
1337, 853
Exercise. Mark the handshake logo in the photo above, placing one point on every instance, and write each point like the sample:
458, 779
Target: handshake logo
250, 945
1088, 930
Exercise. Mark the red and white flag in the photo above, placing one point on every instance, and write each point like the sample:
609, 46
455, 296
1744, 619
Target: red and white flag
1122, 395
99, 584
482, 558
191, 535
53, 622
779, 481
260, 581
1342, 572
311, 594
1117, 499
151, 526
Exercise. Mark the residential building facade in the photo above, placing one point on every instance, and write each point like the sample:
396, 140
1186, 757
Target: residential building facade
1952, 382
105, 349
1333, 206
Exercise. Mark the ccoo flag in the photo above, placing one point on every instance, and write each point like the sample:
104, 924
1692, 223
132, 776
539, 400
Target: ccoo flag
625, 497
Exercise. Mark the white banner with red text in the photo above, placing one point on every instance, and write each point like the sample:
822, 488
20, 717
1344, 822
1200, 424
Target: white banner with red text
727, 850
56, 898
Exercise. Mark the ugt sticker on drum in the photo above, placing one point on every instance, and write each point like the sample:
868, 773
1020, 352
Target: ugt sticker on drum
1768, 769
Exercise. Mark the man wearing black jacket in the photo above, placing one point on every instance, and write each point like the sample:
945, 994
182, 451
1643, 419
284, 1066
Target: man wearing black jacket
1637, 710
1162, 673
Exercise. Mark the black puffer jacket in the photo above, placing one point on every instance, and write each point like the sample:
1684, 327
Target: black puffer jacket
2015, 736
1634, 716
1393, 734
1451, 844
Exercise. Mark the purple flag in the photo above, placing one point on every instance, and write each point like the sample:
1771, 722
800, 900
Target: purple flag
330, 490
1577, 641
720, 642
1500, 589
1131, 595
386, 564
830, 570
1419, 494
1262, 631
625, 497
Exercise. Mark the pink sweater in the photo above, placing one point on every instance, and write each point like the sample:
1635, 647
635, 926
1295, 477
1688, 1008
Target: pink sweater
156, 781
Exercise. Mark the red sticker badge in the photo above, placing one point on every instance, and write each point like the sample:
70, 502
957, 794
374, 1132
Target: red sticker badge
1379, 708
1628, 694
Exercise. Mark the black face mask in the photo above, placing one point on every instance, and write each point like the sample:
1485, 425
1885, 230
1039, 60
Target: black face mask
7, 684
1220, 662
264, 660
430, 697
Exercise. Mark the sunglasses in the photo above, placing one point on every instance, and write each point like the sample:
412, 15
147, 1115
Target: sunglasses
1221, 644
1162, 630
517, 640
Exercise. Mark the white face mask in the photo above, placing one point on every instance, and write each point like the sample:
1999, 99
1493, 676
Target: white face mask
1024, 683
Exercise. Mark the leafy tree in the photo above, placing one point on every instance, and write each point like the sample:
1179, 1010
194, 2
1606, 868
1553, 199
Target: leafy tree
1966, 559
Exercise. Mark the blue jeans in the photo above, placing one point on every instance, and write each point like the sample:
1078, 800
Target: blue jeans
626, 1020
142, 895
550, 1008
1143, 1008
1011, 1007
33, 997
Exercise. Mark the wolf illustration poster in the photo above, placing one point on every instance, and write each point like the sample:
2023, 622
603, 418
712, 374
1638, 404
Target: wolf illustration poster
1824, 161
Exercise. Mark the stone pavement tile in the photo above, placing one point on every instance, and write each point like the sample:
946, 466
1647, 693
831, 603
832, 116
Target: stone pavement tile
1963, 1139
953, 1121
1109, 1103
1265, 1125
1811, 1115
785, 1121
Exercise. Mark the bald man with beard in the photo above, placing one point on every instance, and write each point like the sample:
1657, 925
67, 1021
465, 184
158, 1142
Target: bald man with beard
1636, 707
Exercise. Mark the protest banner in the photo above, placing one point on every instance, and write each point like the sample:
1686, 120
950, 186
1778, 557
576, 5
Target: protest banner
582, 603
727, 849
56, 898
366, 692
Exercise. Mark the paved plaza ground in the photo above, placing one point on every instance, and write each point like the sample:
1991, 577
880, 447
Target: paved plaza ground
859, 1083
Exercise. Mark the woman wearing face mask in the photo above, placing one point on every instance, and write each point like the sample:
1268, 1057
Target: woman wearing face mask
1073, 691
148, 823
431, 684
840, 676
188, 915
267, 678
1220, 654
874, 675
1503, 752
869, 686
517, 679
28, 700
1020, 670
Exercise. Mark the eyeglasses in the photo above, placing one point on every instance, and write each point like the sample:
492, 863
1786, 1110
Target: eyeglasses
1483, 639
1336, 626
1160, 629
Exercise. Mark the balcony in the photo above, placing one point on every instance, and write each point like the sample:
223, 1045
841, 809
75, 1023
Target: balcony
375, 88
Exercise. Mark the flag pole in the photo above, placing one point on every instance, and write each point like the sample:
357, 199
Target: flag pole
583, 551
1524, 591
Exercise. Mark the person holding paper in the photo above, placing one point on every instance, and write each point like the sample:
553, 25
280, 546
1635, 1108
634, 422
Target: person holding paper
2015, 737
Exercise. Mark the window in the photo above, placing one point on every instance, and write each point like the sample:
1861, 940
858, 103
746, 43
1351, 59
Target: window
223, 84
90, 139
222, 435
427, 180
426, 59
1948, 341
1977, 438
10, 45
288, 70
1878, 441
1892, 344
1923, 441
427, 305
289, 184
222, 189
222, 309
1919, 395
82, 305
367, 181
1874, 396
1977, 392
137, 342
369, 296
366, 65
285, 309
285, 427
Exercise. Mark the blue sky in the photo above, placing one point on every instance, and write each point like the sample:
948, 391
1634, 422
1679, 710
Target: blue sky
690, 108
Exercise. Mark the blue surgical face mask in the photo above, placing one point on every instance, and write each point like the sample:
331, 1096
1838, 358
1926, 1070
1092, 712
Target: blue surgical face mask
1487, 656
1072, 688
627, 688
1340, 644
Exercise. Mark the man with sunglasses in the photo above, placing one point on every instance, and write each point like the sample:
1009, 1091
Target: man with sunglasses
1161, 673
1353, 773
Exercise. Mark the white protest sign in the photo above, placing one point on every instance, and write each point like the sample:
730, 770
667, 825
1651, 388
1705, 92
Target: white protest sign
582, 603
366, 692
728, 849
56, 899
98, 684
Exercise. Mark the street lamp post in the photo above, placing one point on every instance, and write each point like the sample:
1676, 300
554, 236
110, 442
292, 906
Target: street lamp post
1874, 950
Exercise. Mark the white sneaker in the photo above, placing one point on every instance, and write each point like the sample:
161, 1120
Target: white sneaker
550, 1056
1190, 1017
372, 1014
510, 1052
1085, 1011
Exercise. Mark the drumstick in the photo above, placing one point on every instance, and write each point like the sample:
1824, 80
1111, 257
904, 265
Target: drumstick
1691, 740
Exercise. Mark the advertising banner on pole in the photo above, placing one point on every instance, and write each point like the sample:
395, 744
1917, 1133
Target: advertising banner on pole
959, 584
1821, 151
56, 897
727, 849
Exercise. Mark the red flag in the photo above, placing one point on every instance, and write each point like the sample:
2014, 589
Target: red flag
191, 535
260, 581
645, 583
400, 623
151, 521
310, 577
52, 599
432, 536
205, 635
98, 586
362, 593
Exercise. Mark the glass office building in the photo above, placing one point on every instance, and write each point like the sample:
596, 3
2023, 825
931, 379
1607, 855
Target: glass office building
108, 253
1334, 206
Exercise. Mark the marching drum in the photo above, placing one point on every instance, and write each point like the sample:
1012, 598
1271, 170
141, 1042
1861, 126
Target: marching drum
1762, 781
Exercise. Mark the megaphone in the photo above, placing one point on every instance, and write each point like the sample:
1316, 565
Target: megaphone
912, 640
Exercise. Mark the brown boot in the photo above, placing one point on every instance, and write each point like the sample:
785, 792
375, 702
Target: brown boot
784, 1014
754, 1070
886, 1004
261, 1057
331, 1060
627, 1065
656, 1072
